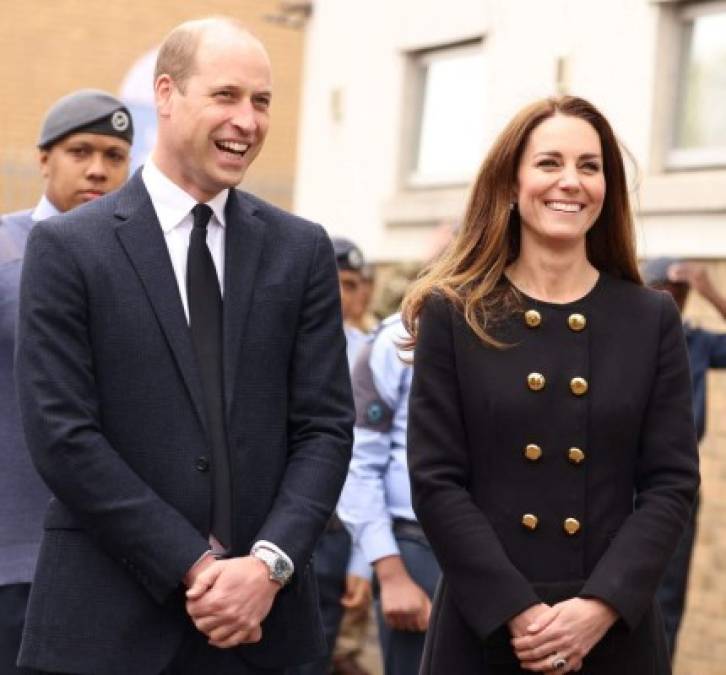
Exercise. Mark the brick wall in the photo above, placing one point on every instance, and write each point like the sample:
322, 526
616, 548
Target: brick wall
702, 643
51, 47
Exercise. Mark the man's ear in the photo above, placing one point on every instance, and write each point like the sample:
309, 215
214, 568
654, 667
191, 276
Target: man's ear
163, 92
43, 157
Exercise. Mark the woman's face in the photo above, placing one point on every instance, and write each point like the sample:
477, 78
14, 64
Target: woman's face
560, 181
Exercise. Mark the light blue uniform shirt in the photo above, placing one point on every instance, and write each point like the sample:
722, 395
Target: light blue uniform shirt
378, 489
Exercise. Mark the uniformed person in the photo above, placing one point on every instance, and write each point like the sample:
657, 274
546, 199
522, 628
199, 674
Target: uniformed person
549, 387
375, 504
84, 153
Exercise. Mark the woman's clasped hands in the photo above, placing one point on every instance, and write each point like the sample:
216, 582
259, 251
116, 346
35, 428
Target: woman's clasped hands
556, 639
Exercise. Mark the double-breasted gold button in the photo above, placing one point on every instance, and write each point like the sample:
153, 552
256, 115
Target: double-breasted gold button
576, 322
535, 381
530, 521
532, 318
575, 455
578, 386
532, 452
571, 525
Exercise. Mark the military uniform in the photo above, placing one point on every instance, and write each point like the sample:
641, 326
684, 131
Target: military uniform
525, 462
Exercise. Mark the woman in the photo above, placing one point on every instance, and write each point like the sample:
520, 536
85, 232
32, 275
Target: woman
551, 442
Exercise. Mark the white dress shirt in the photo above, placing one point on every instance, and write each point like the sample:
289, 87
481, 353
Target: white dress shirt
173, 208
45, 209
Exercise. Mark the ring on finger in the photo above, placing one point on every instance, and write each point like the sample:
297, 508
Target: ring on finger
558, 662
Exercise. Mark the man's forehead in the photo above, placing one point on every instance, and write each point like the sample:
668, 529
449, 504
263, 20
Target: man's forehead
96, 140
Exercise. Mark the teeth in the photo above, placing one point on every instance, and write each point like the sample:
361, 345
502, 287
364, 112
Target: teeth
564, 206
232, 146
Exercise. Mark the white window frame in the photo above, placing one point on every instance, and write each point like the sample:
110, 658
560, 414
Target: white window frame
417, 62
691, 158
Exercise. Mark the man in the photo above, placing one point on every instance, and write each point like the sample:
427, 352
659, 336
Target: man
84, 153
706, 350
342, 574
185, 395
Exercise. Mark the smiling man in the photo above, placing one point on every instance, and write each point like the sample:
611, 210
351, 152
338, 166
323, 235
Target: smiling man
84, 153
185, 394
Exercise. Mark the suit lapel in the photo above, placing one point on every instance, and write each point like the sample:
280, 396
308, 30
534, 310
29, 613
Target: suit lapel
244, 240
141, 236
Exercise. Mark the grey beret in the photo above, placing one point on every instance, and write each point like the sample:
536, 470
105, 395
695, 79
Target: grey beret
89, 111
655, 271
347, 255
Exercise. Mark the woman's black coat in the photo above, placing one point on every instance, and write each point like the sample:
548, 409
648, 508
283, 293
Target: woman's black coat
472, 416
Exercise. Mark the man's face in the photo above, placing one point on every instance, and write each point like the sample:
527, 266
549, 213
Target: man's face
215, 125
82, 167
350, 293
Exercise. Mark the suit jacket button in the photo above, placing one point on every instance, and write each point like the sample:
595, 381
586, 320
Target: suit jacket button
578, 386
575, 455
576, 322
530, 521
532, 452
571, 525
535, 381
201, 464
532, 318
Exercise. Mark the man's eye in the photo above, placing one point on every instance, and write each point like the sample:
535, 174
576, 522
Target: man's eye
78, 152
261, 102
225, 94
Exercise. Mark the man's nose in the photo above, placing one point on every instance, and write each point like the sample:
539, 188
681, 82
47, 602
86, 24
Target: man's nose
244, 116
96, 167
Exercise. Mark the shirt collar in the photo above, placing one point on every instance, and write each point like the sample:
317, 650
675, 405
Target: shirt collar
171, 203
45, 209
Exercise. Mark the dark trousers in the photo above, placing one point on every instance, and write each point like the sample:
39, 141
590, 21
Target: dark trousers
331, 566
402, 650
671, 593
13, 601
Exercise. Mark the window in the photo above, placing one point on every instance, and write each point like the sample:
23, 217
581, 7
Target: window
699, 138
447, 137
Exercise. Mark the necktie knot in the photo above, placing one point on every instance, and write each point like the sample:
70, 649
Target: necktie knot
201, 214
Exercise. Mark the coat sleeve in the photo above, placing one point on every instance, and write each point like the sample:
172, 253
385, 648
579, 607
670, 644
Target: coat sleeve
666, 481
320, 416
62, 418
486, 587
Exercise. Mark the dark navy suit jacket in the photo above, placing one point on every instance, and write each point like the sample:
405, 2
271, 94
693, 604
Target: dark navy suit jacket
23, 497
112, 408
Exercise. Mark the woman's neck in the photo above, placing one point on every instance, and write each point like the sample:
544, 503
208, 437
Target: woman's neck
553, 275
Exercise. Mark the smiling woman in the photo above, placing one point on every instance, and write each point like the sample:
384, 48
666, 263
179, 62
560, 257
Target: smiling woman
524, 451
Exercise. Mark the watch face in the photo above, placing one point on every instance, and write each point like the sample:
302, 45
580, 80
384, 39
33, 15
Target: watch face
280, 568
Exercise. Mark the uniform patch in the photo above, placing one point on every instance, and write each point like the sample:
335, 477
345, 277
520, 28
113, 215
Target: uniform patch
120, 120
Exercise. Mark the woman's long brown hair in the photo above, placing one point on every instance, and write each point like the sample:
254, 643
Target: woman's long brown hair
471, 269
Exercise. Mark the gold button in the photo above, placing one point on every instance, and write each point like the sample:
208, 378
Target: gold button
575, 455
532, 318
571, 525
578, 386
533, 452
530, 521
535, 381
576, 322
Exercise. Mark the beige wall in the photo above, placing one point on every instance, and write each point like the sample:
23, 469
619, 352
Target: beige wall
51, 47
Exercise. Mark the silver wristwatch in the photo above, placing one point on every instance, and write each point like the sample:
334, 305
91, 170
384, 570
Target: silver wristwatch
279, 567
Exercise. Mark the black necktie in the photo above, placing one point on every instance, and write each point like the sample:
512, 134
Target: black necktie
205, 321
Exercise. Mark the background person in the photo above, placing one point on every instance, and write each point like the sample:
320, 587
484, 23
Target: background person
185, 394
549, 387
706, 350
84, 149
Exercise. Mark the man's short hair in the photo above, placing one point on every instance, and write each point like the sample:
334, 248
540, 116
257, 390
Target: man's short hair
177, 54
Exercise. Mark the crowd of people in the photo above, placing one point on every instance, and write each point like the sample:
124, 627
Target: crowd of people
218, 459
